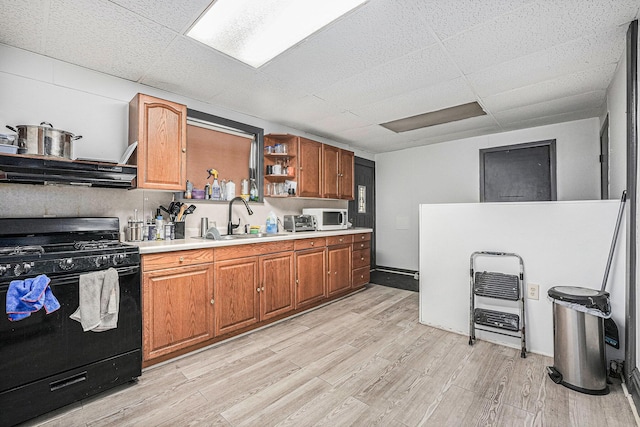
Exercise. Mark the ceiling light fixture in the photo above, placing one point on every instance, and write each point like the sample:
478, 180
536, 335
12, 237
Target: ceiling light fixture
256, 31
446, 115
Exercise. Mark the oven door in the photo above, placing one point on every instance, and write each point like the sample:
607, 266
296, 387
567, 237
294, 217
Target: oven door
43, 344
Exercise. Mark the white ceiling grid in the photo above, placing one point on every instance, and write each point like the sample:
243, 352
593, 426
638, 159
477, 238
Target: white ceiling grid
527, 62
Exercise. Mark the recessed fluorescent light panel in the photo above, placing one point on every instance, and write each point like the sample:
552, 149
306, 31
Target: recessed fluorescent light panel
256, 31
446, 115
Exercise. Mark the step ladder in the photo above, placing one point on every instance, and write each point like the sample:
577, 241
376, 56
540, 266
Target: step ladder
500, 286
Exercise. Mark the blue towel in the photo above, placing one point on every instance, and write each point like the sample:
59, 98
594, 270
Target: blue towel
28, 296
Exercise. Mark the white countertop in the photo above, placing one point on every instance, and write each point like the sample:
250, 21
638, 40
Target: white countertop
157, 246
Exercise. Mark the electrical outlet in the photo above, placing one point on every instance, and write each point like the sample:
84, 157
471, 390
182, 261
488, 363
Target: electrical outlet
533, 291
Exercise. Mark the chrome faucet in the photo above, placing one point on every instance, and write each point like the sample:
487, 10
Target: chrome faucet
230, 224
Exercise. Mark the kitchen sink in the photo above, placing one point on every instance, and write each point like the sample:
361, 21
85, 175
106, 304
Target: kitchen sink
238, 236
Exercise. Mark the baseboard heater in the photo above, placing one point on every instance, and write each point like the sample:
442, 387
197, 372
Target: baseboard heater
401, 271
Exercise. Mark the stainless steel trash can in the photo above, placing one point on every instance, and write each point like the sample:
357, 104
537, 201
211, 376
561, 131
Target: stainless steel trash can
579, 361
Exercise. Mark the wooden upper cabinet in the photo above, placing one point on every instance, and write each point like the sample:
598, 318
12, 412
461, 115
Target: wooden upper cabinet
309, 168
331, 171
345, 175
160, 127
323, 171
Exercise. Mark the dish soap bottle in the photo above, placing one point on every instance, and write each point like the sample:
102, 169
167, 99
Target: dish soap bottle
272, 223
253, 193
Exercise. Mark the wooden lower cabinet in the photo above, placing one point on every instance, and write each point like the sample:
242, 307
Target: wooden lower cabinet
361, 260
177, 309
237, 298
251, 289
192, 298
339, 273
277, 287
311, 273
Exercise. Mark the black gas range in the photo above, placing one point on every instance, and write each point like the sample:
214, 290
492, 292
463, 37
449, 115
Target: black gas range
48, 360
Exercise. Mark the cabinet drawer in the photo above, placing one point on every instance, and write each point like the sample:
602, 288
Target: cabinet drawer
253, 249
176, 259
360, 258
360, 277
361, 245
338, 240
310, 243
364, 237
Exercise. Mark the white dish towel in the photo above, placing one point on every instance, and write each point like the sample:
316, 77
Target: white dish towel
99, 301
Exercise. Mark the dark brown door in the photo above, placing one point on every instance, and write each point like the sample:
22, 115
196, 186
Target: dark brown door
604, 160
362, 208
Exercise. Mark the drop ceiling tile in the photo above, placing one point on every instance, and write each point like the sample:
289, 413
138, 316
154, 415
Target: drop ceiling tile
269, 100
431, 98
422, 68
587, 101
176, 15
451, 137
339, 122
373, 34
565, 86
196, 71
24, 23
588, 52
451, 127
448, 18
556, 118
371, 132
534, 27
103, 36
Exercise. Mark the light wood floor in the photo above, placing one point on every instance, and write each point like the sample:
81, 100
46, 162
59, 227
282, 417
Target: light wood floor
361, 361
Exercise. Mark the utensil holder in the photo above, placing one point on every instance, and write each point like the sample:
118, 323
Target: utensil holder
179, 230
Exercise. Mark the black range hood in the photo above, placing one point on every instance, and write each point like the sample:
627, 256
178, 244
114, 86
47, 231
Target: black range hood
25, 169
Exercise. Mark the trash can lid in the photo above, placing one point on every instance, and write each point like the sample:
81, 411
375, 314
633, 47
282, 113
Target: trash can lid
586, 297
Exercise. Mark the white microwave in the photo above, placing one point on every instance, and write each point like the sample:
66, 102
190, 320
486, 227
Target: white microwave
328, 219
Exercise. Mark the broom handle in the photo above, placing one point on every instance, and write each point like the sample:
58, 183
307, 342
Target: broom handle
613, 242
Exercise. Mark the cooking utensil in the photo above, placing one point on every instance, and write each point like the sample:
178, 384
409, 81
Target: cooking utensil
44, 140
189, 210
183, 208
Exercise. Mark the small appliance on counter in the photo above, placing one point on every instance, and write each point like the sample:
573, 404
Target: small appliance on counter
295, 223
328, 218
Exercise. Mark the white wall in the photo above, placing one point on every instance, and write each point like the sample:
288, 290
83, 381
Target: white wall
450, 173
34, 88
561, 243
617, 110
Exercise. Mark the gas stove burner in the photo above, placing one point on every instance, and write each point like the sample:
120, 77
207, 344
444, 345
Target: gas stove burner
21, 250
95, 244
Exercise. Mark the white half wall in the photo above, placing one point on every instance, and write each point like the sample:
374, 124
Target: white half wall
450, 173
561, 243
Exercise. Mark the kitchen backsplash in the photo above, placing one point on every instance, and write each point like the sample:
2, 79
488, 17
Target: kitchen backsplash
24, 200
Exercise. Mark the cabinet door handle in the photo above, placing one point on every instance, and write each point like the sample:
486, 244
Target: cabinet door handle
181, 259
262, 289
184, 150
341, 239
361, 258
312, 243
258, 289
212, 301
